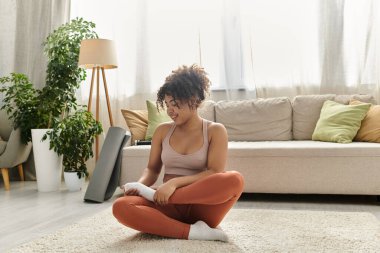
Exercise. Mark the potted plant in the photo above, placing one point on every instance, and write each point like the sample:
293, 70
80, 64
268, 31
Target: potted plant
28, 110
63, 77
72, 138
32, 109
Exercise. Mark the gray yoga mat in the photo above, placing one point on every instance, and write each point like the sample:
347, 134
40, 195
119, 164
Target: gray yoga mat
105, 177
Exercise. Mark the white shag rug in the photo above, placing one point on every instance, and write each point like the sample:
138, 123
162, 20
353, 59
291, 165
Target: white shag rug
249, 230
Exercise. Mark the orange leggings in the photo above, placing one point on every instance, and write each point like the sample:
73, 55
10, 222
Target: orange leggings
208, 199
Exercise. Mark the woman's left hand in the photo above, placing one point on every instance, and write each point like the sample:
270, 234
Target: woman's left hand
163, 193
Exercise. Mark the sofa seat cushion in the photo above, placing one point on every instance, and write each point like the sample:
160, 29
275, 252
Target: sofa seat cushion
307, 167
281, 148
302, 149
139, 150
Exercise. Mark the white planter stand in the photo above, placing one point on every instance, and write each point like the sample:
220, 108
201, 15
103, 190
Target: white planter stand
48, 164
73, 182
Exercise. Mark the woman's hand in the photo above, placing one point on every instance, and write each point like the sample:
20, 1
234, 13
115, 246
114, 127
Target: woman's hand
164, 192
130, 192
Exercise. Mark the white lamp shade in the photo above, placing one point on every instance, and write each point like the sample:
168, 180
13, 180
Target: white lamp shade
97, 53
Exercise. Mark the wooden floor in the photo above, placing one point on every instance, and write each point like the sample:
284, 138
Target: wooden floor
26, 214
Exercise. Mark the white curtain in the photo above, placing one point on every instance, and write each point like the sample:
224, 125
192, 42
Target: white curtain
350, 47
281, 46
312, 47
250, 48
24, 26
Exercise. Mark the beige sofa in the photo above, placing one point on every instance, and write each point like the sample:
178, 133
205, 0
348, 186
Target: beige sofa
270, 144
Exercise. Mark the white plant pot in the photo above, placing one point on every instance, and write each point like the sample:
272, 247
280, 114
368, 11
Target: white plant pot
72, 181
48, 164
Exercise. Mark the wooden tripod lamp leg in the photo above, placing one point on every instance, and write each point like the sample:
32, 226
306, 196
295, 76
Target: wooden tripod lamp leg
97, 112
97, 102
92, 85
107, 97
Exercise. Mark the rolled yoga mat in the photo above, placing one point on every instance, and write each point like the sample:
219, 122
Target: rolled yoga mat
105, 177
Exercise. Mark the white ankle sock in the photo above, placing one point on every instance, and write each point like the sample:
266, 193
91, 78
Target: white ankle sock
201, 231
143, 190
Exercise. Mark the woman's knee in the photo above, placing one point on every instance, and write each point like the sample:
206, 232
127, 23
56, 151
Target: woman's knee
122, 207
236, 180
119, 208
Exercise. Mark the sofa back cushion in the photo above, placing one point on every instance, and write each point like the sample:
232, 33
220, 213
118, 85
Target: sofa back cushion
207, 110
345, 99
256, 120
307, 108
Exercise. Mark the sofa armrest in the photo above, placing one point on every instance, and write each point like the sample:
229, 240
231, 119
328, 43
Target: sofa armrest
15, 152
128, 143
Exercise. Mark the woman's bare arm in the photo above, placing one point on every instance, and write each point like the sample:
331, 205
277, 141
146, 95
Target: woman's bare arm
153, 170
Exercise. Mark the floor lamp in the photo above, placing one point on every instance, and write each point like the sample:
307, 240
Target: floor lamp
98, 55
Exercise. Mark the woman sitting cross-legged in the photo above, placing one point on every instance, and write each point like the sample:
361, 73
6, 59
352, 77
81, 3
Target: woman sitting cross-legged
197, 192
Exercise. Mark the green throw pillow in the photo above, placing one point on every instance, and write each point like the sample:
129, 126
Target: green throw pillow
338, 122
154, 118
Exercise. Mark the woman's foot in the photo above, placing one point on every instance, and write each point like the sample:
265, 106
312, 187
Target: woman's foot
144, 191
201, 231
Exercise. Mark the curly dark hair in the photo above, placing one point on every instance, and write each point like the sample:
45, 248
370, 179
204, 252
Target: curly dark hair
186, 84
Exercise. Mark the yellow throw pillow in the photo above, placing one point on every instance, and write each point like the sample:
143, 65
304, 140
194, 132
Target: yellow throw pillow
154, 118
338, 122
137, 122
370, 128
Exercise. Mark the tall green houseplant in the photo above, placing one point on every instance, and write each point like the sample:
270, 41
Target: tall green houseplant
30, 108
63, 74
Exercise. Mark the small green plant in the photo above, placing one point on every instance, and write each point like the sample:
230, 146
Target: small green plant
73, 138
